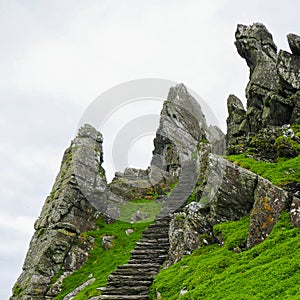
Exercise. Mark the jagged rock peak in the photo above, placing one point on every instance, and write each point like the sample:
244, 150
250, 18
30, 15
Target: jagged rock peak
181, 96
182, 129
56, 245
274, 86
250, 40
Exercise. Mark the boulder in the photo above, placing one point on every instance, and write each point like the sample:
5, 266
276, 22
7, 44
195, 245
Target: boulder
270, 201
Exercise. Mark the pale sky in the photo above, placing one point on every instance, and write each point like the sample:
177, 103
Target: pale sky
57, 56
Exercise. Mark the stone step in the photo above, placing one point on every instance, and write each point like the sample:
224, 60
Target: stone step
130, 271
130, 282
151, 247
149, 273
152, 243
123, 297
139, 266
125, 278
162, 223
126, 290
147, 258
156, 229
155, 235
154, 258
159, 240
148, 251
142, 261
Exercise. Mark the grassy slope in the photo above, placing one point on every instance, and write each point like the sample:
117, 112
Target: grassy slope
208, 269
101, 262
281, 172
271, 269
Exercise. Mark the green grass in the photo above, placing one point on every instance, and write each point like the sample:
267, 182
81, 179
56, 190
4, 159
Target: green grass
148, 207
100, 262
281, 172
268, 270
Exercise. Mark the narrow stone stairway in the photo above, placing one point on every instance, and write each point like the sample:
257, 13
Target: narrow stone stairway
131, 281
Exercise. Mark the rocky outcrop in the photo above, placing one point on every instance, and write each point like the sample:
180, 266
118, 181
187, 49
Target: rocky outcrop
57, 246
182, 127
80, 193
272, 92
228, 193
270, 201
269, 144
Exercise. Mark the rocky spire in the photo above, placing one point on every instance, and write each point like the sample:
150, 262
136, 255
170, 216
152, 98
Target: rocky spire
273, 89
56, 244
182, 128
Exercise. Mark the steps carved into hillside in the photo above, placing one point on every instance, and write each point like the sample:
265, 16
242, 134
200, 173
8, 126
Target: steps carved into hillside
133, 279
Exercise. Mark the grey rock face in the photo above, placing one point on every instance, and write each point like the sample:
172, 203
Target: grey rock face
288, 67
182, 126
274, 82
182, 129
270, 201
227, 194
56, 244
295, 119
217, 140
237, 122
254, 41
235, 192
295, 212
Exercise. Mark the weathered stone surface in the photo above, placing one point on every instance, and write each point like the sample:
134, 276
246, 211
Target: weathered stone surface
182, 127
295, 118
272, 92
188, 230
294, 43
252, 41
227, 194
108, 241
270, 201
217, 140
288, 67
237, 123
295, 212
181, 131
56, 244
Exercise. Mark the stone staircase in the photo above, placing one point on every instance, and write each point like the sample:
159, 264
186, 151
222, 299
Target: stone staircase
132, 280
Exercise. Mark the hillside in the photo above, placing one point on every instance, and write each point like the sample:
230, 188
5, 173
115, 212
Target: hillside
204, 221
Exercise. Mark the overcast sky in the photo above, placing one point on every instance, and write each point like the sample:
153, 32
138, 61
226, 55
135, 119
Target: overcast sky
57, 56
